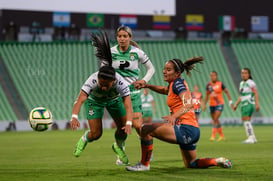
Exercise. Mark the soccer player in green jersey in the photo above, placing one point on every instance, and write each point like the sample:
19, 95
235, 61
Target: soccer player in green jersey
104, 89
148, 106
250, 101
127, 56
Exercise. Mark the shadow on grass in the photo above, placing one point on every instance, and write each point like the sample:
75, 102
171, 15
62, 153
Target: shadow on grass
159, 171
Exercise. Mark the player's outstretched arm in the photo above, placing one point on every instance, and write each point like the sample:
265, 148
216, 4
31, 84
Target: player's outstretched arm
129, 114
150, 72
74, 123
158, 89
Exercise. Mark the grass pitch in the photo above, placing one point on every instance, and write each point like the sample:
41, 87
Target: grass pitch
48, 156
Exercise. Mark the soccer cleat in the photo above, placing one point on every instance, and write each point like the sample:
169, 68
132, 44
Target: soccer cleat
121, 154
249, 141
138, 167
223, 162
79, 147
120, 163
212, 138
221, 138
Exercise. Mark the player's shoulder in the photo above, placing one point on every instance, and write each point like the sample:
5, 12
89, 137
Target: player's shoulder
114, 49
136, 49
150, 96
178, 82
250, 81
93, 76
92, 81
120, 79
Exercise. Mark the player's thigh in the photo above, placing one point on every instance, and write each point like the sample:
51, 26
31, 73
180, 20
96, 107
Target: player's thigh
247, 111
136, 100
94, 109
217, 115
137, 120
246, 118
162, 131
95, 126
117, 110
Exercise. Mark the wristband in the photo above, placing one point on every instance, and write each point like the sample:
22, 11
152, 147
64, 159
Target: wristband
230, 102
75, 116
129, 123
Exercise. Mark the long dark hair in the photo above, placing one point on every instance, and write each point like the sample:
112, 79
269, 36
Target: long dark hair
100, 41
188, 65
249, 73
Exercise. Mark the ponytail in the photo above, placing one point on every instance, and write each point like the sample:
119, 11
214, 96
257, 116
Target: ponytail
188, 65
133, 43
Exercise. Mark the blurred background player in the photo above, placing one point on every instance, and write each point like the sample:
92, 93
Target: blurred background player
214, 91
148, 106
127, 56
182, 127
197, 101
105, 89
248, 91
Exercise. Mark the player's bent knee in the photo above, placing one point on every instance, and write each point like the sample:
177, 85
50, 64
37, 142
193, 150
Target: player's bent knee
95, 135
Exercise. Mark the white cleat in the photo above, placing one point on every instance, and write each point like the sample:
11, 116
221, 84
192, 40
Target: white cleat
223, 162
120, 163
250, 141
138, 167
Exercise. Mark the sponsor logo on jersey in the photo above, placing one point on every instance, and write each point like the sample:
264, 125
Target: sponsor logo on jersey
94, 81
87, 85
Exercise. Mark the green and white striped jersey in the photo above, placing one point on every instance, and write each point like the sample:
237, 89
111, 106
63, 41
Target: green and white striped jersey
127, 63
92, 89
246, 92
147, 102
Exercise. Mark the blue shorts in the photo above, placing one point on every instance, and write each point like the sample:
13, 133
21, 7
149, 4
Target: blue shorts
186, 136
219, 107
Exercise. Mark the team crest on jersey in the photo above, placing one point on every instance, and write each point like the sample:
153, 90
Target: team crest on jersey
132, 56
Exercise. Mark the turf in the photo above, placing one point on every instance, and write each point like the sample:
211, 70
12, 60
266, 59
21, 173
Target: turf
48, 156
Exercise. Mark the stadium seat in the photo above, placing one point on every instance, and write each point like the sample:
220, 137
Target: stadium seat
51, 74
6, 112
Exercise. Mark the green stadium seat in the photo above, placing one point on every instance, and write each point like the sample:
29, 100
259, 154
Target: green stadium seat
6, 112
51, 74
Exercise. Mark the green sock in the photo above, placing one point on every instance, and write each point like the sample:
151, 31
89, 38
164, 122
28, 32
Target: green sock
120, 140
